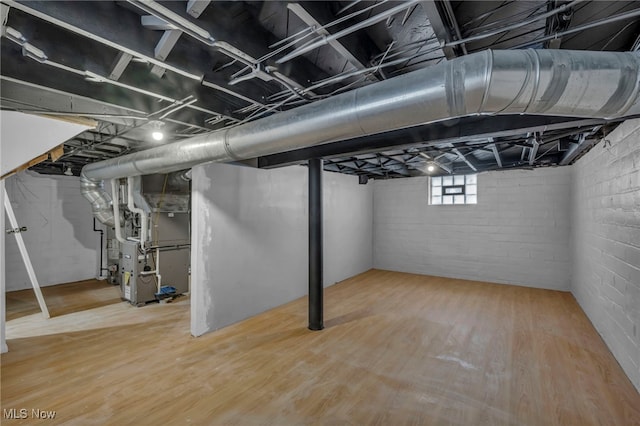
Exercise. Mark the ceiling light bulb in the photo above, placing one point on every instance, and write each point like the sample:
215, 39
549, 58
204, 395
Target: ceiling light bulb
157, 135
430, 168
68, 171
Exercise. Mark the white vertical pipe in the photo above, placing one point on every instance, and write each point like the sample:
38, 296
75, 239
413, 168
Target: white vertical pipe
143, 215
115, 195
25, 257
158, 269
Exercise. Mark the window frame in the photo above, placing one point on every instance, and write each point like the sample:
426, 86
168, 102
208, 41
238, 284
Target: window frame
468, 189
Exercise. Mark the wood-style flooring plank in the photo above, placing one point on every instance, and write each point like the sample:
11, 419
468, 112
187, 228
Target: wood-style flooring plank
62, 299
397, 349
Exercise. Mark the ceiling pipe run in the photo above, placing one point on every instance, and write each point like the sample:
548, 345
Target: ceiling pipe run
541, 82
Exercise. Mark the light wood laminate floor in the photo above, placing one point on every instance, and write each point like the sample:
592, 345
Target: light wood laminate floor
397, 349
62, 299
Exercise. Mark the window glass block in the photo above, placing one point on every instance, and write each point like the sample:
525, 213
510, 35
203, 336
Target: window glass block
471, 189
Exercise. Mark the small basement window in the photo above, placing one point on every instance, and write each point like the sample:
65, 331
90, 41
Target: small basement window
455, 189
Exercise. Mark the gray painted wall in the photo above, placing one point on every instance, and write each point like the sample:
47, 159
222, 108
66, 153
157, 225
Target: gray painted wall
518, 233
60, 238
250, 239
606, 240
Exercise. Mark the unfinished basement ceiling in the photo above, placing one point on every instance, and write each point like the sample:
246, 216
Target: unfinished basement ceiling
192, 67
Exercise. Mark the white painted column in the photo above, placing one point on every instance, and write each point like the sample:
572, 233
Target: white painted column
3, 341
201, 234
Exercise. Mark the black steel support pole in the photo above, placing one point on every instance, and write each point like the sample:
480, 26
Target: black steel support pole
315, 245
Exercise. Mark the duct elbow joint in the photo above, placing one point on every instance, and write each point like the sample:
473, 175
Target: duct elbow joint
100, 200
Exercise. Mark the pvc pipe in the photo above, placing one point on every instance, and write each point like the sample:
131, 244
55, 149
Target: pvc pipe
144, 219
116, 209
155, 271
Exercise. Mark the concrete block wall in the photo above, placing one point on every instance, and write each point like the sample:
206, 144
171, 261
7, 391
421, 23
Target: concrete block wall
518, 233
250, 239
606, 242
60, 239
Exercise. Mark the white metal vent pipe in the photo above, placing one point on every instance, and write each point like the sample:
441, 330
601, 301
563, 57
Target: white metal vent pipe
115, 215
144, 217
541, 82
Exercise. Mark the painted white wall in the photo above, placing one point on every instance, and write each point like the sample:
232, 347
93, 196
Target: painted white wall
60, 239
250, 239
518, 233
606, 241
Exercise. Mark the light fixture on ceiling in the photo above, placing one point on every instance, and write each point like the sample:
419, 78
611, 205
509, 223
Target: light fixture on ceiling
156, 130
431, 164
68, 171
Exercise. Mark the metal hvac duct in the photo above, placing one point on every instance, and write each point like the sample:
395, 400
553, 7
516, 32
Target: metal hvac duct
99, 199
542, 82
